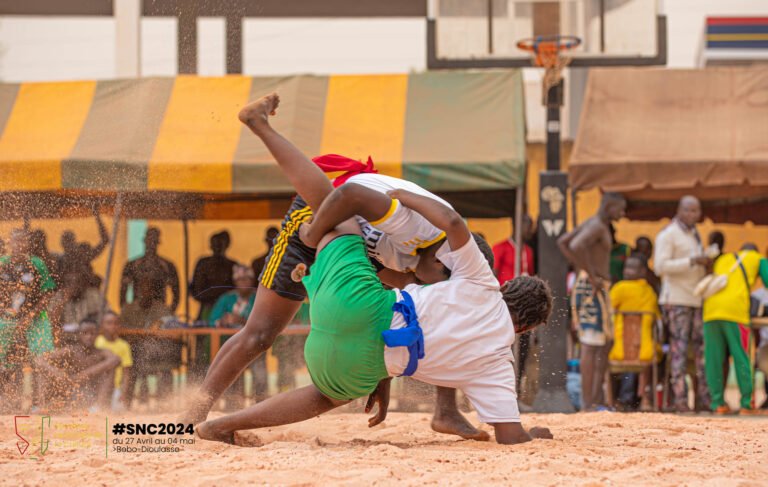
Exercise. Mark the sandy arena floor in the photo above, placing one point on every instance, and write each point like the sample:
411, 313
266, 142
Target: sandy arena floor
588, 449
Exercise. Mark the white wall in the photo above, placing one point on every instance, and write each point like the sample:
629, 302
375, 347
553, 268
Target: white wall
340, 46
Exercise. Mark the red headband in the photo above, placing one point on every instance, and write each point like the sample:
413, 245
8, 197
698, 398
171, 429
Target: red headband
335, 162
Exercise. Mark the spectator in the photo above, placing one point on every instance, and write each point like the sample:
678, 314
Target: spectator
231, 311
79, 375
258, 263
76, 253
644, 247
76, 299
149, 276
588, 248
531, 239
213, 275
715, 238
634, 298
109, 339
619, 253
504, 255
726, 325
505, 252
39, 248
680, 262
25, 287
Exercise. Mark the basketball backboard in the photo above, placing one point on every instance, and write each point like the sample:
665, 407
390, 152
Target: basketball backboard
484, 33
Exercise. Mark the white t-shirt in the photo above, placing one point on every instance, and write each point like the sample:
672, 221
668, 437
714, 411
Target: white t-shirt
394, 239
468, 335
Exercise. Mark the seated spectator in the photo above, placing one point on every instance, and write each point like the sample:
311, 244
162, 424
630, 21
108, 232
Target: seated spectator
109, 339
78, 375
634, 296
619, 254
726, 325
76, 300
231, 311
232, 308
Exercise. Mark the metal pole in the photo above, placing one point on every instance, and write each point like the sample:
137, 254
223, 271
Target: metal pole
519, 244
552, 396
490, 26
185, 223
112, 245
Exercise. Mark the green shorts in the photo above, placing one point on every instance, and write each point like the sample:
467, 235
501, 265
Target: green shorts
39, 336
349, 308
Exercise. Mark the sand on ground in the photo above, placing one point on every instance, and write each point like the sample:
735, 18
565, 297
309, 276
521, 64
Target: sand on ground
588, 449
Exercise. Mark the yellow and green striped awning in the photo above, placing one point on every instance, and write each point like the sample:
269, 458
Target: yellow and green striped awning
447, 131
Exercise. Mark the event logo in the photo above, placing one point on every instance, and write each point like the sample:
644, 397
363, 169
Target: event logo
33, 438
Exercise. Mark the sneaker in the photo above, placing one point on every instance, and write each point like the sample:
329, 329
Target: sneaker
723, 410
753, 412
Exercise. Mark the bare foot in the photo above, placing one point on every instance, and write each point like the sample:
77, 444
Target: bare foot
454, 423
207, 432
198, 409
256, 114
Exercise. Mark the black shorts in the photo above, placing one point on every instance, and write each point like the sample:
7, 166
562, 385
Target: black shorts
287, 252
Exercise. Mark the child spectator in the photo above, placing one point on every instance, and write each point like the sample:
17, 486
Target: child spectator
109, 339
633, 298
78, 376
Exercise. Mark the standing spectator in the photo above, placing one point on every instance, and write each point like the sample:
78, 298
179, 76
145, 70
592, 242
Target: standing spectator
680, 261
109, 339
75, 253
644, 247
213, 275
588, 248
505, 252
39, 248
531, 239
258, 263
619, 254
504, 258
231, 311
149, 276
25, 287
726, 325
716, 237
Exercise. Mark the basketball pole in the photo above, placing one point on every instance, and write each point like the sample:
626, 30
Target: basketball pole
552, 396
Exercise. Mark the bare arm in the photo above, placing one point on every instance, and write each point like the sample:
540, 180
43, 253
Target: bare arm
513, 433
343, 203
439, 215
103, 236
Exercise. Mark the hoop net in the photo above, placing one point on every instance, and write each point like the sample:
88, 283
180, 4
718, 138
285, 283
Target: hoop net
548, 54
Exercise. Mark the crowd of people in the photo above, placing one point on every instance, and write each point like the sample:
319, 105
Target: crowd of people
55, 320
689, 312
624, 310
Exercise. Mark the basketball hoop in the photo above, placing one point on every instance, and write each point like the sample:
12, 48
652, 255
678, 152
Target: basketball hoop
548, 55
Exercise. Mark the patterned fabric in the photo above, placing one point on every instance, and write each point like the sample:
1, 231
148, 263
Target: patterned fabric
686, 328
591, 312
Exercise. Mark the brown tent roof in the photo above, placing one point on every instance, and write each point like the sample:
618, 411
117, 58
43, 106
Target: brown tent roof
657, 134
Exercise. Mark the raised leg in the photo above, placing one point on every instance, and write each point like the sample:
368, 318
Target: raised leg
310, 182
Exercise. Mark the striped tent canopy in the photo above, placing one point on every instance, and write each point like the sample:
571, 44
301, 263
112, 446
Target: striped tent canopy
174, 147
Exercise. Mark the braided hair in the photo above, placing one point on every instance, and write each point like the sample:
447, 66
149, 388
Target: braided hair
529, 301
